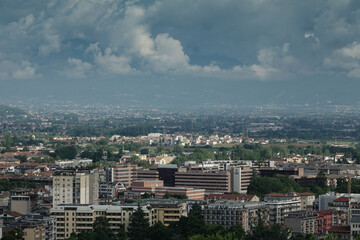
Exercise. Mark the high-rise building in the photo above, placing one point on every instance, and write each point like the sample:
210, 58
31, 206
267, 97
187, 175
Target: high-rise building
71, 187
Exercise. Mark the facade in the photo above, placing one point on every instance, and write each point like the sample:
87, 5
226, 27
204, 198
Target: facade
77, 218
340, 232
306, 199
36, 227
124, 173
71, 187
355, 220
241, 178
325, 219
20, 204
301, 222
280, 205
211, 181
157, 188
167, 213
230, 213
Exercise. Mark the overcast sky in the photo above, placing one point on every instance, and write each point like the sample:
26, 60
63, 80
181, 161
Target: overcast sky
189, 47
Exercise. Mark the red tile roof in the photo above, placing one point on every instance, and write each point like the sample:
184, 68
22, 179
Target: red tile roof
325, 212
342, 199
14, 213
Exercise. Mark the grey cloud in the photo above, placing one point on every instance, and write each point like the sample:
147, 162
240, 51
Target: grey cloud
237, 40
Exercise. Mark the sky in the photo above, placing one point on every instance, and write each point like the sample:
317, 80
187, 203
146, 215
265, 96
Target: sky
181, 52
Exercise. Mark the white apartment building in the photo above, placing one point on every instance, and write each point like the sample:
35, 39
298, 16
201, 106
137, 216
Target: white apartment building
71, 187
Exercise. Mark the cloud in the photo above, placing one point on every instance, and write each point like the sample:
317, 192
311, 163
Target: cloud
242, 40
21, 69
77, 68
346, 60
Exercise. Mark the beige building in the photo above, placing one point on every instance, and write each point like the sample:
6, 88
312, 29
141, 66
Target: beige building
72, 187
34, 233
124, 173
306, 199
230, 213
73, 218
167, 213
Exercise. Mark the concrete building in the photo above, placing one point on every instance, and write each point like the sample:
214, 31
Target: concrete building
167, 213
306, 199
230, 213
35, 227
280, 205
355, 219
124, 173
20, 204
211, 181
157, 188
77, 218
71, 187
241, 178
301, 222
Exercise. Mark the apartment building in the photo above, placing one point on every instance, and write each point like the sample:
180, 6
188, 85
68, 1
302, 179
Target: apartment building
168, 212
280, 205
77, 218
35, 227
229, 213
302, 222
355, 219
72, 187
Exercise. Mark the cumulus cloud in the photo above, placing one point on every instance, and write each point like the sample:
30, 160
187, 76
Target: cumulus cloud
76, 68
346, 60
258, 40
16, 69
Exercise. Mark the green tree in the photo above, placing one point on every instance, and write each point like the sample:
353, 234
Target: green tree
139, 225
159, 232
66, 152
15, 234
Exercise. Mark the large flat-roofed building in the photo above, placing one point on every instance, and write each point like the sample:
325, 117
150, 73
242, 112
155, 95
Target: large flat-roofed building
157, 188
71, 187
77, 218
230, 213
211, 181
124, 173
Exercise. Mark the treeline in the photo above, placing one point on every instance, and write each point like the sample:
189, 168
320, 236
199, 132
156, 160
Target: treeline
6, 185
261, 186
192, 227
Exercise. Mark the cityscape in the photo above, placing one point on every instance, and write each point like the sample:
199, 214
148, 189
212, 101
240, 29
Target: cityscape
179, 120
